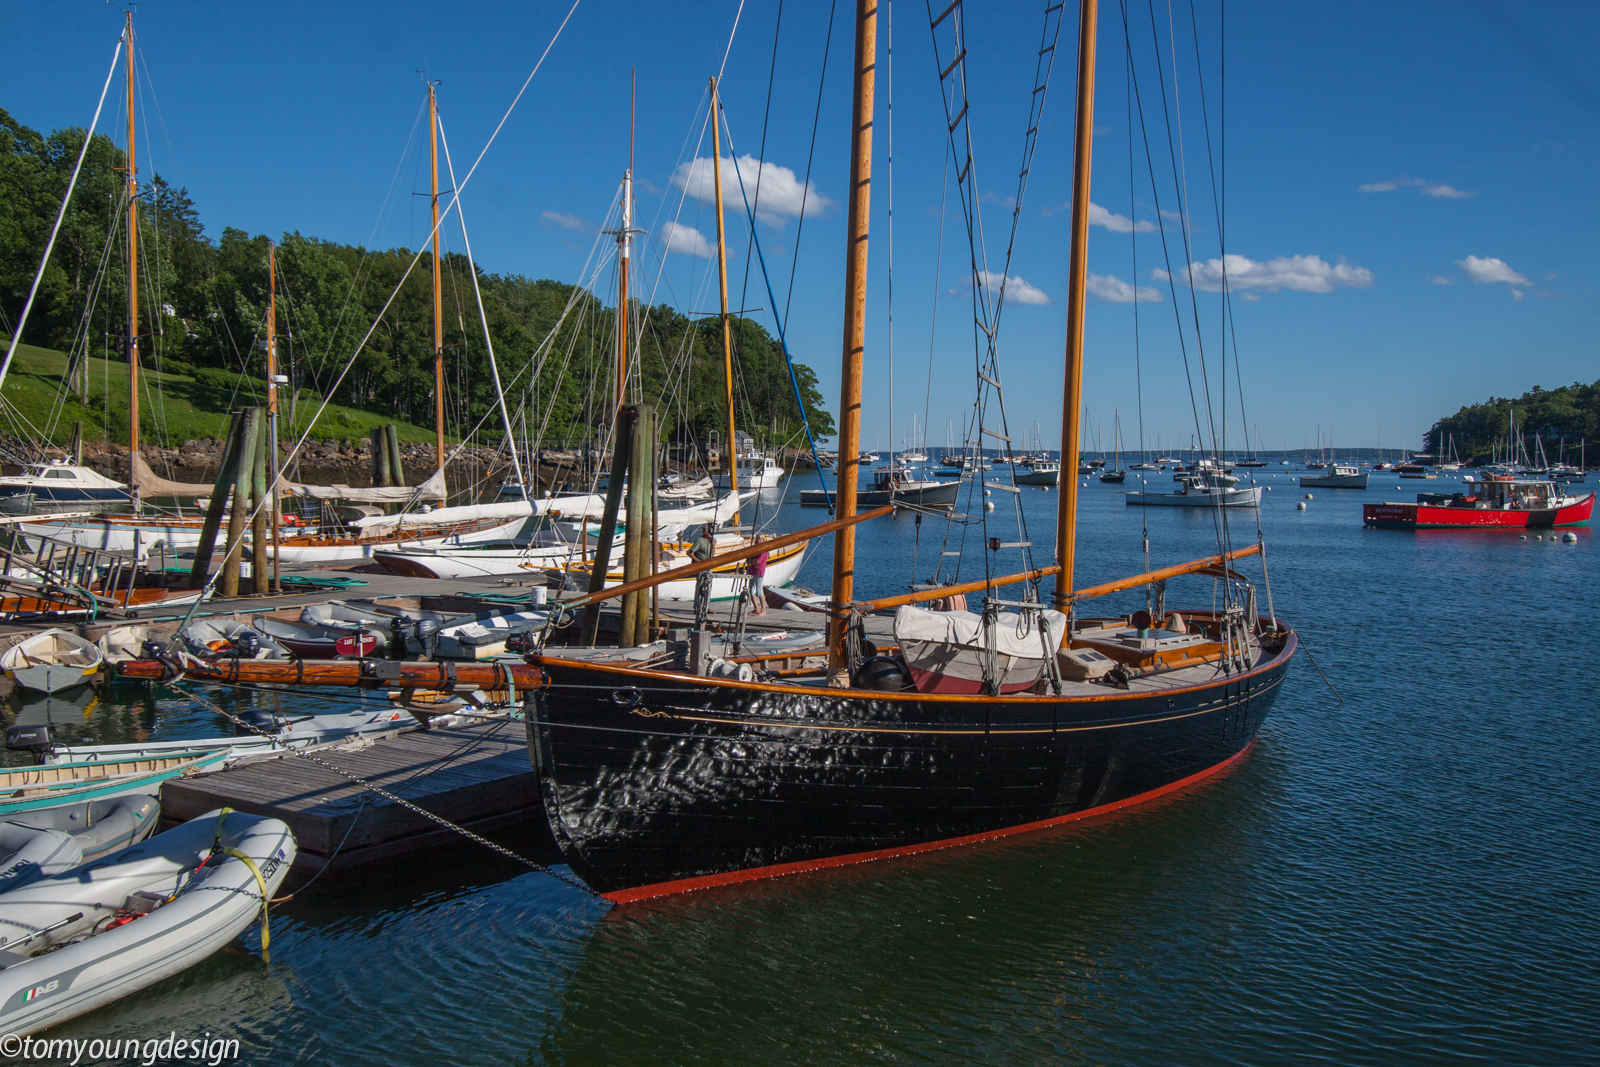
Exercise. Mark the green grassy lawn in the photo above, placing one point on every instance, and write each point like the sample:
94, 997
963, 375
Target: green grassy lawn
173, 408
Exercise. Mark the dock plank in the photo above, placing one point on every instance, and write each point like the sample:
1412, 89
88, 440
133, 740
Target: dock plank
478, 776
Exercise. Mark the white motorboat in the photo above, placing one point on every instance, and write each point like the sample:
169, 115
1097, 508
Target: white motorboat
485, 638
127, 642
1339, 476
92, 935
755, 472
1037, 473
62, 481
51, 661
1204, 490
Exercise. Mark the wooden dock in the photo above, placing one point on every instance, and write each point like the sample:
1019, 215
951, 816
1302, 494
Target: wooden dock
476, 776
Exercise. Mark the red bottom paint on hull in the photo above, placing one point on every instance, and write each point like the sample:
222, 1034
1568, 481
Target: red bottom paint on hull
1422, 516
711, 881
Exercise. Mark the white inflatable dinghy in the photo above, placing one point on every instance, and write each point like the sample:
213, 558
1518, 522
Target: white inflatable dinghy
37, 844
80, 940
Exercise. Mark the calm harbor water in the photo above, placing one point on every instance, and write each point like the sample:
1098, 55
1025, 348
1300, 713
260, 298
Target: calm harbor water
1409, 876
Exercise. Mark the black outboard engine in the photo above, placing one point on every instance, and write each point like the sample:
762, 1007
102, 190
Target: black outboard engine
35, 739
427, 631
523, 642
246, 644
152, 649
397, 635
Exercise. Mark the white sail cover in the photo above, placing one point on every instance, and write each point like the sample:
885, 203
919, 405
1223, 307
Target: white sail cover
1014, 635
513, 509
432, 489
716, 513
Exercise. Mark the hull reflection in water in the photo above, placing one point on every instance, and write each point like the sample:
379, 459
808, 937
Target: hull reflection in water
655, 783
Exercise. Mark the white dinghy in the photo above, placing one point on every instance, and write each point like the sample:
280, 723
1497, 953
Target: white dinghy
82, 939
38, 844
51, 661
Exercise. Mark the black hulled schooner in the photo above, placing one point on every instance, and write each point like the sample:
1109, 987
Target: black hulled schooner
658, 780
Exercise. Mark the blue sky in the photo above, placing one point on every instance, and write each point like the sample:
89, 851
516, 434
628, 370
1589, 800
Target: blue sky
1410, 185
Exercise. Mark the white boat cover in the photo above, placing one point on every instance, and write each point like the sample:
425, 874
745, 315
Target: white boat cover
1015, 634
514, 509
432, 489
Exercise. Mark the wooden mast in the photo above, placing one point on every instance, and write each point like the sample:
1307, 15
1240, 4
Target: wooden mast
438, 287
729, 451
624, 256
133, 286
855, 327
1077, 282
273, 513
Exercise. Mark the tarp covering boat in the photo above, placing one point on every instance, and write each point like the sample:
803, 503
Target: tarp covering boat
946, 651
514, 509
432, 489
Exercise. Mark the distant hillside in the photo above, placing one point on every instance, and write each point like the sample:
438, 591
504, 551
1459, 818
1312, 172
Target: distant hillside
173, 408
1571, 412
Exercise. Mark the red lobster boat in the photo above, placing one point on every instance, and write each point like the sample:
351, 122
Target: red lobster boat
1499, 501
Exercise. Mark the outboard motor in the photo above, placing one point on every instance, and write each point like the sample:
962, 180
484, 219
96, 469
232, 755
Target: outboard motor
34, 739
152, 649
246, 644
261, 719
427, 631
523, 642
397, 635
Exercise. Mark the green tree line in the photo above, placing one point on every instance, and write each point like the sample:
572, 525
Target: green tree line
1570, 413
203, 305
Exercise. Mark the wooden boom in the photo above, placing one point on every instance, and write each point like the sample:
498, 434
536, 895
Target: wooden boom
940, 592
748, 552
388, 673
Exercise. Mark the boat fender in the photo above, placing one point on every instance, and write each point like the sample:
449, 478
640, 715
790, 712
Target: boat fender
882, 673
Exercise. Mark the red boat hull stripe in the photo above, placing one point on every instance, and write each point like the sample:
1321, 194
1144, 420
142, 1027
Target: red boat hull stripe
709, 881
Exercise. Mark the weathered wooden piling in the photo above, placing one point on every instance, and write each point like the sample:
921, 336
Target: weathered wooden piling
622, 448
635, 556
219, 500
249, 437
260, 516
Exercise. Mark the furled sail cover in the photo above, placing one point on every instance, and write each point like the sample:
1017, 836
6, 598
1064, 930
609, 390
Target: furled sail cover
152, 484
1015, 634
432, 489
515, 509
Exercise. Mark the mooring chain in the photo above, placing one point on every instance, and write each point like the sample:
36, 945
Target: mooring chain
404, 803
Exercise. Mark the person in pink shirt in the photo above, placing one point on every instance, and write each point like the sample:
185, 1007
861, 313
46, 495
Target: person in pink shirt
758, 581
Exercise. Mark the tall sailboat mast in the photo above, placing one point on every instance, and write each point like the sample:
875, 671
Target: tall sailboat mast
855, 329
729, 450
438, 283
273, 515
624, 255
133, 284
1077, 288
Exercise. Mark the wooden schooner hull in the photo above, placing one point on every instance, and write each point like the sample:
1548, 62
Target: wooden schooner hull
656, 784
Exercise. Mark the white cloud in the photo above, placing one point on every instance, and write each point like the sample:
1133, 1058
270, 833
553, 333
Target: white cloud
781, 194
1490, 271
566, 221
1114, 290
1305, 274
1099, 216
1015, 290
1250, 298
1422, 185
1439, 279
676, 237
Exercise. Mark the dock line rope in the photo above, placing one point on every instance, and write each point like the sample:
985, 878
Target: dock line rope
392, 798
1313, 660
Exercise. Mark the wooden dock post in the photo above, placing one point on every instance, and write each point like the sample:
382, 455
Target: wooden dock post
635, 560
380, 458
219, 500
622, 447
260, 517
228, 585
397, 470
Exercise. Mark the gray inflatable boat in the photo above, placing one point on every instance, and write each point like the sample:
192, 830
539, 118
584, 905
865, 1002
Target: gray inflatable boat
82, 939
38, 844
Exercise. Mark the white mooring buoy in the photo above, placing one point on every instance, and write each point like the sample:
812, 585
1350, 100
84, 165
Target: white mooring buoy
1569, 537
1300, 506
